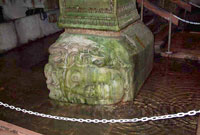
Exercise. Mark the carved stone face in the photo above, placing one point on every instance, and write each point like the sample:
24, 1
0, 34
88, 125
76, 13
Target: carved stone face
88, 70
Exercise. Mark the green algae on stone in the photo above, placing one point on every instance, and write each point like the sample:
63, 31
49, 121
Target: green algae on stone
97, 14
96, 70
92, 69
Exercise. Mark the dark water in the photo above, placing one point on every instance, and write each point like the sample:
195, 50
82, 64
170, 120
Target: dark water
172, 87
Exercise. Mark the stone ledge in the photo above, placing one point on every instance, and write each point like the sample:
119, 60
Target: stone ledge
24, 30
28, 28
182, 55
8, 37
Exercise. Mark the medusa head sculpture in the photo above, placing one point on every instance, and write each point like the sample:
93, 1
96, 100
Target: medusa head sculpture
89, 70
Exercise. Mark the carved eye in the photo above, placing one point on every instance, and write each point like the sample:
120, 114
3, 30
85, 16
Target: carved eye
98, 62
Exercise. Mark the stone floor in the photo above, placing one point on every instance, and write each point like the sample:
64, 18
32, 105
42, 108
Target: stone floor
185, 42
185, 45
172, 87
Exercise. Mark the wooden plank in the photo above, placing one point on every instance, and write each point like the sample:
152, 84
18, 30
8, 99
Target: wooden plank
3, 132
198, 128
10, 129
183, 5
161, 12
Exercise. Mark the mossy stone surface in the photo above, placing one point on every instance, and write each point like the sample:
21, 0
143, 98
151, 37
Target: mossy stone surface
99, 69
91, 69
97, 14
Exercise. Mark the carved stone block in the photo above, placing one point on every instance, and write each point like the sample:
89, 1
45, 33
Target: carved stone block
97, 14
94, 66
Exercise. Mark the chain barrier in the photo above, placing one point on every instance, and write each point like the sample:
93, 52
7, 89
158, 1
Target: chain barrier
134, 120
189, 22
194, 4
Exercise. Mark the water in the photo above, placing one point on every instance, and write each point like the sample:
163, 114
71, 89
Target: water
172, 87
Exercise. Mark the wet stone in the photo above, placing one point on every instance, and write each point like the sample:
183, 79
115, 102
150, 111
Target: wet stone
91, 66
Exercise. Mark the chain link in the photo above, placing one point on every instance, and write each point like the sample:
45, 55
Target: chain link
198, 6
80, 120
186, 21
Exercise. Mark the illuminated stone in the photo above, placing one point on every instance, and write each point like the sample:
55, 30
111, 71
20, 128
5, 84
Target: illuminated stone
98, 14
92, 66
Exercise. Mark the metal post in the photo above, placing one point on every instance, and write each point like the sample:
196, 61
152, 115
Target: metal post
185, 13
142, 10
170, 34
183, 25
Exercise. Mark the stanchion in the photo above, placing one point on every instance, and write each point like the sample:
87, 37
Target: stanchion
142, 10
170, 34
185, 13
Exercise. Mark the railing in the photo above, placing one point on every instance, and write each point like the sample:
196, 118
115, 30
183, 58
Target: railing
168, 16
80, 120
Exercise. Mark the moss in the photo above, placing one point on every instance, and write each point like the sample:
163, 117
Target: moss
92, 69
97, 14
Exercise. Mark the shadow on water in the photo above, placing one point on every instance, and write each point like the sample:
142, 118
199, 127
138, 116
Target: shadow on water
172, 87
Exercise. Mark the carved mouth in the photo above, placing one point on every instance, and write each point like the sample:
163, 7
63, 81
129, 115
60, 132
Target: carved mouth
95, 94
99, 90
98, 84
87, 73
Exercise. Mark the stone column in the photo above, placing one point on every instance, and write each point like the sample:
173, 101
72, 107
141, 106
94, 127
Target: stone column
104, 55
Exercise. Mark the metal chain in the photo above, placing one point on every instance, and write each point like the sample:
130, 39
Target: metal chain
134, 120
189, 22
198, 6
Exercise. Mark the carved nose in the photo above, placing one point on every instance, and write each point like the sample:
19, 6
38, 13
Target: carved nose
48, 70
49, 80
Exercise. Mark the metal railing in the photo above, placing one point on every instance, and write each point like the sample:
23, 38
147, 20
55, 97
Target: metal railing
80, 120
